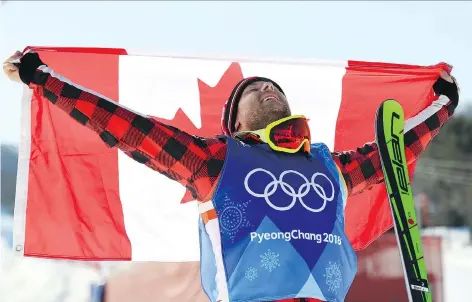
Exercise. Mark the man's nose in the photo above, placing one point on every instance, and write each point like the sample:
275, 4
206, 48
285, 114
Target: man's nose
268, 86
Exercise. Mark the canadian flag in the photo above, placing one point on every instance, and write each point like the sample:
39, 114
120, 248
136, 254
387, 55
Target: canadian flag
78, 199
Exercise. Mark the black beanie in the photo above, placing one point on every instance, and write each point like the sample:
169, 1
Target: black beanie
230, 109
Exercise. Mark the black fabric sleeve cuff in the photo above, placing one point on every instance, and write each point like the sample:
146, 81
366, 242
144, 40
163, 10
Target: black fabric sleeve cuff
443, 87
28, 65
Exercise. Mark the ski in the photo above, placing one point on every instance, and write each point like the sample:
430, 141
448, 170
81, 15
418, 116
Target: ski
389, 128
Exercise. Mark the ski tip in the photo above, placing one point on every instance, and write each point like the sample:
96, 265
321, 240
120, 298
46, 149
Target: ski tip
390, 101
392, 105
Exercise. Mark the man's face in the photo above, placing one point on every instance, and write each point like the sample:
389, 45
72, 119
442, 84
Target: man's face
261, 104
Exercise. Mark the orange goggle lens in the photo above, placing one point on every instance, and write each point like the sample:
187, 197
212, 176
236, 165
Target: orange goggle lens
290, 134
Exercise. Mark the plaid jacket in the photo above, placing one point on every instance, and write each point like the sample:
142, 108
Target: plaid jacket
197, 162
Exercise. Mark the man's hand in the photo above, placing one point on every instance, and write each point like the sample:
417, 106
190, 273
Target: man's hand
10, 69
447, 85
22, 67
445, 76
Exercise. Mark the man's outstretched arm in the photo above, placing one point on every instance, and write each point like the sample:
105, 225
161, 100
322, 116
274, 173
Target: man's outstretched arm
362, 169
192, 161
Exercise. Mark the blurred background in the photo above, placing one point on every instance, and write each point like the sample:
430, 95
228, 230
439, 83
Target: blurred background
427, 33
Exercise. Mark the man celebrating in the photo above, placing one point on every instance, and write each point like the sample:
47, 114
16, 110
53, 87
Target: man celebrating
271, 202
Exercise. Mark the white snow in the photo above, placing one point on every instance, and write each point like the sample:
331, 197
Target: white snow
40, 280
457, 263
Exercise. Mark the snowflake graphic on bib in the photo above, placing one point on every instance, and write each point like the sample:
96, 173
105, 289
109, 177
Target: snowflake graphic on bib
270, 260
333, 276
251, 273
233, 217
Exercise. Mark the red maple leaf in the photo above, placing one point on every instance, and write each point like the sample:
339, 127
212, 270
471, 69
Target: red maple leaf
212, 100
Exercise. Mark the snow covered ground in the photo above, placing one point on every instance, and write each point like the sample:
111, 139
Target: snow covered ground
457, 263
39, 280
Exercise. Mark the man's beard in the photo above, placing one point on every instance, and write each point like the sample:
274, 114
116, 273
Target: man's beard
264, 115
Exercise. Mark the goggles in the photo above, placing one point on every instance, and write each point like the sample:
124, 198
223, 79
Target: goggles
288, 135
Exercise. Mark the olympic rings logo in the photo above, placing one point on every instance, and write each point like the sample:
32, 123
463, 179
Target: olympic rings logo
302, 191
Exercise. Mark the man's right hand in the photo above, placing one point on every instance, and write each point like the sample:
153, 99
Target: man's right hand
10, 69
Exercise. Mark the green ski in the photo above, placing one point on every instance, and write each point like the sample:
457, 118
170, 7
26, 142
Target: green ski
389, 129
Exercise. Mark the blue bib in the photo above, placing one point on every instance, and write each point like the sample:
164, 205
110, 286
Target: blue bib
279, 228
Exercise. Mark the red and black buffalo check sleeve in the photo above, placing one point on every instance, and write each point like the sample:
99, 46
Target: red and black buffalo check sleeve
192, 161
362, 168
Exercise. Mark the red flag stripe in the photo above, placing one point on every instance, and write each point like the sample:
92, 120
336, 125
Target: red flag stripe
368, 214
73, 183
